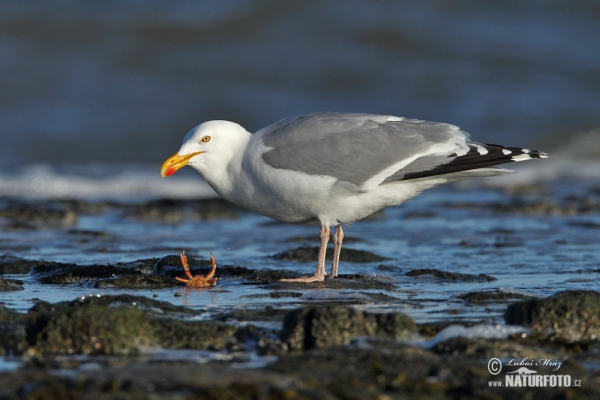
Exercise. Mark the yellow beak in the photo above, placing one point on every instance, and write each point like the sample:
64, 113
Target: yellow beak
175, 163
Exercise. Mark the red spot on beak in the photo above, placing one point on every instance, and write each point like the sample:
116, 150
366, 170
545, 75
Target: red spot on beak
170, 171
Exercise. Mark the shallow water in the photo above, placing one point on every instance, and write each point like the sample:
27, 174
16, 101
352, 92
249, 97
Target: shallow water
462, 228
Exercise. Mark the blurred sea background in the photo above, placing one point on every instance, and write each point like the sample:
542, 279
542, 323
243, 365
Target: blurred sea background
95, 95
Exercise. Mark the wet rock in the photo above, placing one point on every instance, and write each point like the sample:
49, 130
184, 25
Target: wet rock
311, 253
16, 265
279, 294
145, 266
199, 335
176, 211
482, 349
319, 327
517, 205
121, 325
449, 276
72, 273
569, 316
540, 207
138, 281
268, 313
367, 370
494, 296
261, 276
10, 285
13, 337
528, 189
367, 373
387, 268
38, 215
82, 327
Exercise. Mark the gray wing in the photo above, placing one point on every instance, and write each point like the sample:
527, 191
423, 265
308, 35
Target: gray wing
362, 149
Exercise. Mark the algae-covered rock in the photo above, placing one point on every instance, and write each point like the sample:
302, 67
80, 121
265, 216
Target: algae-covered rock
199, 335
311, 253
318, 327
495, 296
121, 325
137, 281
17, 265
449, 276
12, 332
10, 285
569, 316
86, 328
73, 273
176, 211
35, 215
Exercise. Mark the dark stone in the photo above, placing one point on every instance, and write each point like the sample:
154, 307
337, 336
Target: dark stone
310, 254
319, 327
13, 337
34, 215
16, 265
138, 281
145, 266
492, 297
177, 211
569, 316
71, 273
10, 285
121, 325
450, 276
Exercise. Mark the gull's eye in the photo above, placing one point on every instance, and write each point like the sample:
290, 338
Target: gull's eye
205, 139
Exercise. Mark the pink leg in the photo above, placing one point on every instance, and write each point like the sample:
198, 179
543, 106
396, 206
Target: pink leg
338, 237
319, 275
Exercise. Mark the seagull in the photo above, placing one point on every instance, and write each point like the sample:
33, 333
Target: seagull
333, 169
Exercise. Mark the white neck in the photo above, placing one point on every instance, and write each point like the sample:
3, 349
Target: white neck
223, 171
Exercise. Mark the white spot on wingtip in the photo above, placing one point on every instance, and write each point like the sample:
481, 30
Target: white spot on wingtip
482, 150
506, 151
521, 157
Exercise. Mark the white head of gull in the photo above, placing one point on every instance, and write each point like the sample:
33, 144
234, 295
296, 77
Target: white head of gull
334, 169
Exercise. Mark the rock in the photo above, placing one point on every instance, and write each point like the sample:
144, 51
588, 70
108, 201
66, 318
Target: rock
311, 253
16, 265
83, 327
495, 296
569, 316
57, 273
138, 281
319, 327
10, 285
120, 325
145, 266
34, 215
176, 211
13, 336
450, 276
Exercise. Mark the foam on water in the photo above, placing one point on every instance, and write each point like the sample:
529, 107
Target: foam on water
99, 182
484, 331
122, 182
